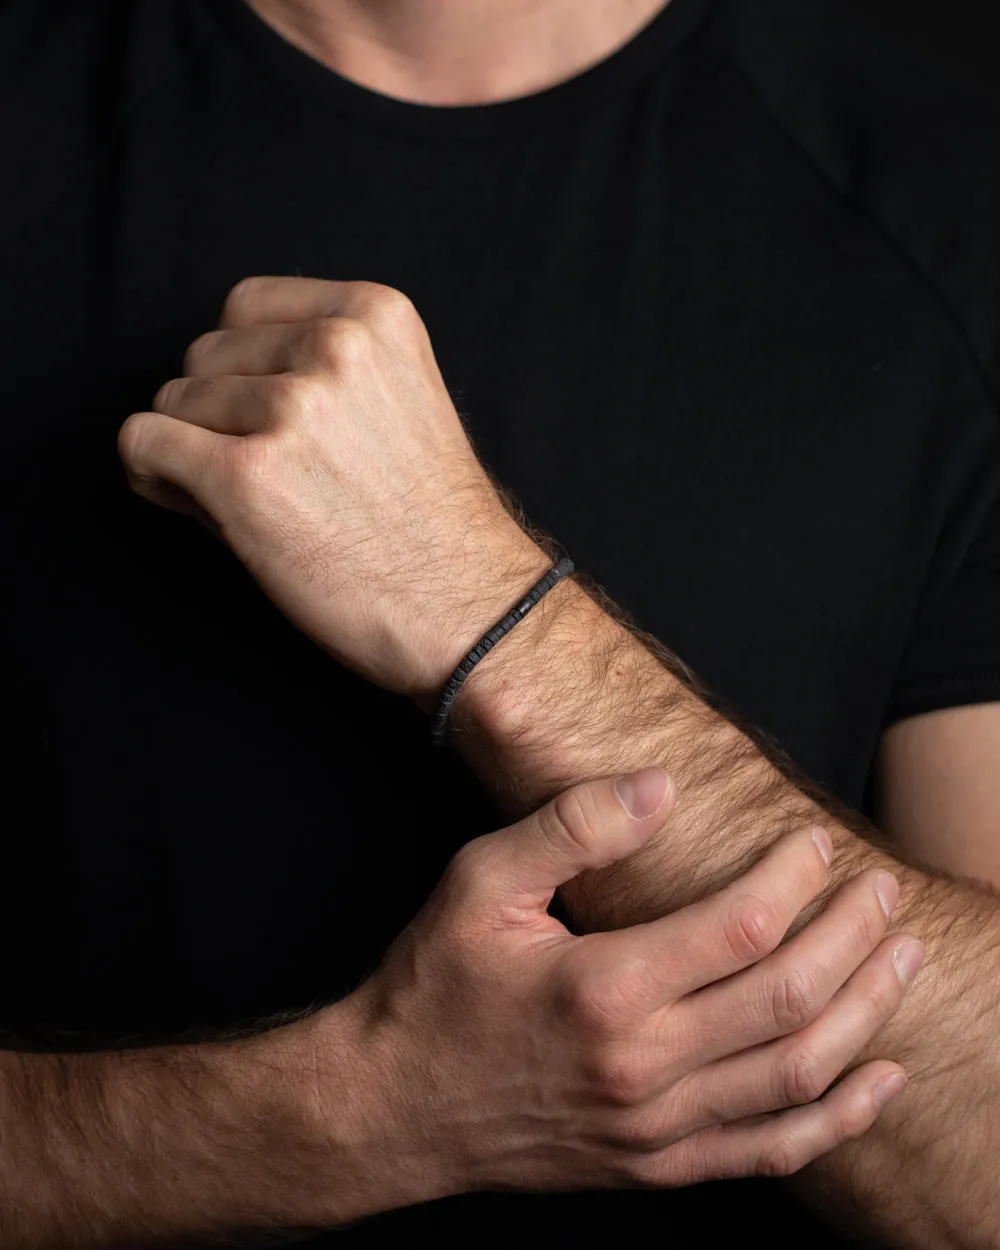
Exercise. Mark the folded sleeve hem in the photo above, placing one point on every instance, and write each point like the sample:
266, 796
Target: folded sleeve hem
934, 694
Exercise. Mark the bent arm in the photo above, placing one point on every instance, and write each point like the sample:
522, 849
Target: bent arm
938, 789
574, 692
170, 1144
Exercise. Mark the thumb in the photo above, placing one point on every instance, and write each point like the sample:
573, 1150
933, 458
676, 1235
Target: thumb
586, 827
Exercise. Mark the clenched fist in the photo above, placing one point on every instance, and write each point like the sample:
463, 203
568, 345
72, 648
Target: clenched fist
314, 434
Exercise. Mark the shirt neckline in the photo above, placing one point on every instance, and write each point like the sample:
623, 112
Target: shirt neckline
646, 50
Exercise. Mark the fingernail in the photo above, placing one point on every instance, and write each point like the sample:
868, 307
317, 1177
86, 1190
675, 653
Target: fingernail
908, 959
887, 889
643, 792
888, 1088
824, 845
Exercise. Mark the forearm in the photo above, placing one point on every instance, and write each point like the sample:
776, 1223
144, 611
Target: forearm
572, 693
167, 1145
577, 695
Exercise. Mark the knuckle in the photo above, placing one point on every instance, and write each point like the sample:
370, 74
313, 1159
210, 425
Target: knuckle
178, 393
390, 308
572, 817
803, 1080
291, 393
885, 996
464, 864
794, 1000
781, 1157
868, 925
590, 1008
199, 351
241, 300
753, 928
168, 395
467, 866
338, 341
612, 1000
618, 1079
320, 339
130, 438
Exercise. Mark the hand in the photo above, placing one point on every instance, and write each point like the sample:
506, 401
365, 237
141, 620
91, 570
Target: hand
313, 433
505, 1053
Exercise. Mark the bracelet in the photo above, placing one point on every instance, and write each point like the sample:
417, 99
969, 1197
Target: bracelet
489, 641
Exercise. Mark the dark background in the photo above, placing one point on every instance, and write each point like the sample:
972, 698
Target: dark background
962, 35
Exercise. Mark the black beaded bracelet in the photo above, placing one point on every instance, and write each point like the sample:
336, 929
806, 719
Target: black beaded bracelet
489, 641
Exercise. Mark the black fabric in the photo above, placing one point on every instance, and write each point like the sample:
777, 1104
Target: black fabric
722, 312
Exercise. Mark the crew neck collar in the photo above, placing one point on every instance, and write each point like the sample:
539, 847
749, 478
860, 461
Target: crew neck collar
634, 60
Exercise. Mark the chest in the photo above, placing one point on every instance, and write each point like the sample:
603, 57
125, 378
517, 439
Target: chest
696, 369
699, 372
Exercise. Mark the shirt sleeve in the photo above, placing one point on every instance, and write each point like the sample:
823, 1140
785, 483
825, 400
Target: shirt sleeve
952, 657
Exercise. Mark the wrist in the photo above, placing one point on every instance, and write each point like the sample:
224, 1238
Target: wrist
559, 701
297, 1111
484, 592
360, 1134
323, 1099
499, 701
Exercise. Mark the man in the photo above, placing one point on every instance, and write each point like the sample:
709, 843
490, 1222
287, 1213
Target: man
687, 275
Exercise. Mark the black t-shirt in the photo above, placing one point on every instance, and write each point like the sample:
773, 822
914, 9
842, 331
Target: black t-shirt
722, 311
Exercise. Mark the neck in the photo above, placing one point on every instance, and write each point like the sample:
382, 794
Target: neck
454, 52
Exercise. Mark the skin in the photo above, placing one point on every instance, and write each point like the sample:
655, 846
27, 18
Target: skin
648, 1064
456, 52
924, 1176
492, 1049
340, 375
275, 1131
939, 789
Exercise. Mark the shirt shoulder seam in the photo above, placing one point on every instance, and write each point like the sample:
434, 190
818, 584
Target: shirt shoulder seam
951, 315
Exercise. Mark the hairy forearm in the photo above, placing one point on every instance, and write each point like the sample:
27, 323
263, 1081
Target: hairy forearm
164, 1146
580, 694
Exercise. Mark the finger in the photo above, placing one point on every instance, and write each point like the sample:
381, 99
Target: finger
250, 352
158, 450
227, 404
790, 988
799, 1068
586, 827
781, 1143
724, 933
265, 300
324, 345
